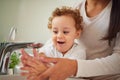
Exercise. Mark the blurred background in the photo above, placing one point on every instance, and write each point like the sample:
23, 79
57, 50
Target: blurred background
29, 18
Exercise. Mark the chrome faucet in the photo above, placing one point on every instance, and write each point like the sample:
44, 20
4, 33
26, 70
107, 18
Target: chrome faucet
5, 52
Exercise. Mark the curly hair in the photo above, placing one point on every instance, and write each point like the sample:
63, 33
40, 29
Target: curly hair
67, 11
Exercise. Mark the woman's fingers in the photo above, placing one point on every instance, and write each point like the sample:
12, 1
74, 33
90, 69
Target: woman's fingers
38, 66
29, 69
48, 73
33, 62
49, 60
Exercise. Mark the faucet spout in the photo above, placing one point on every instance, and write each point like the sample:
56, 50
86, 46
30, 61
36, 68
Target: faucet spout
5, 52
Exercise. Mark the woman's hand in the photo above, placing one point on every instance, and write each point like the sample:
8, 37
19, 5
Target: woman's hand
62, 69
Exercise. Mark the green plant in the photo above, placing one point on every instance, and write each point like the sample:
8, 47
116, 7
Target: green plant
14, 60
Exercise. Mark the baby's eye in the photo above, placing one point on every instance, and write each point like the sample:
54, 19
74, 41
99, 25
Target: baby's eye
55, 32
65, 32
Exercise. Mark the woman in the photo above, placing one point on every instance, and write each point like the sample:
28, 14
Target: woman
101, 37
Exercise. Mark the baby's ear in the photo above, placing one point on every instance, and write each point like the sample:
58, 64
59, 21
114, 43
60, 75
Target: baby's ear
78, 33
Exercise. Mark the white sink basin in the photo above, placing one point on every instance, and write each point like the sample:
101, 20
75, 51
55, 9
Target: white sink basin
12, 77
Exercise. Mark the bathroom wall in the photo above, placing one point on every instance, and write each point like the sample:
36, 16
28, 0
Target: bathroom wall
30, 17
8, 17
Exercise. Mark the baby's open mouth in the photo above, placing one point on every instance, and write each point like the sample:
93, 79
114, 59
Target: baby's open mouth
60, 42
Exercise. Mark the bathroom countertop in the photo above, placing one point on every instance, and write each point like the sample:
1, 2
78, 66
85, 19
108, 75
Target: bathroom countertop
12, 77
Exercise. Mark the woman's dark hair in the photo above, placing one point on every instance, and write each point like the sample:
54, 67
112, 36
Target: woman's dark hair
114, 25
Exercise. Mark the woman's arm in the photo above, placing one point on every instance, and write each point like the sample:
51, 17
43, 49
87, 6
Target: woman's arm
64, 68
98, 67
103, 66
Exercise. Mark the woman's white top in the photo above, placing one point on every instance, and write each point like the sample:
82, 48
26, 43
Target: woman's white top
102, 59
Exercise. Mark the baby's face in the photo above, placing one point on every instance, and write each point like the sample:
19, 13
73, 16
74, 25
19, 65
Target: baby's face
64, 33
